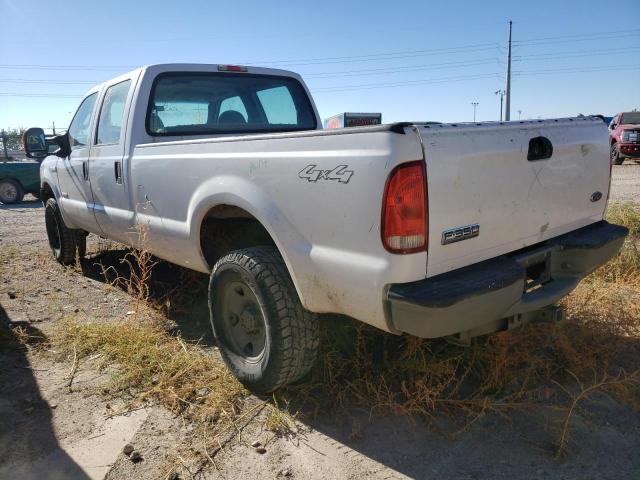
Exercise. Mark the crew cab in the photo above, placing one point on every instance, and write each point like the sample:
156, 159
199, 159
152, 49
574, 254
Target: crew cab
431, 230
624, 137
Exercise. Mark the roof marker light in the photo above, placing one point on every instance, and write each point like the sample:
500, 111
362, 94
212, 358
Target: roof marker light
231, 68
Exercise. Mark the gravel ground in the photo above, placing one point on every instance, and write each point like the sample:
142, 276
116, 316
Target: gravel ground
50, 430
625, 183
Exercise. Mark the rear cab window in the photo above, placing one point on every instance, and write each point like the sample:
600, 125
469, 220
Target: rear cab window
198, 103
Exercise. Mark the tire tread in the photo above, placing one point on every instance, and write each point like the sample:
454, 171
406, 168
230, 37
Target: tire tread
297, 337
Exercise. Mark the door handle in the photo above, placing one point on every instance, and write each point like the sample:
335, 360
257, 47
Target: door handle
117, 169
85, 170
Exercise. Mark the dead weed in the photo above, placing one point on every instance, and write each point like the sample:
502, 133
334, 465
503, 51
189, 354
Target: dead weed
536, 366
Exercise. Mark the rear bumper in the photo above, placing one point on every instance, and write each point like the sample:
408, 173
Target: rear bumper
489, 292
629, 150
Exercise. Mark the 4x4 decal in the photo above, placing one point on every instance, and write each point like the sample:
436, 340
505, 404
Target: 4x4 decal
339, 173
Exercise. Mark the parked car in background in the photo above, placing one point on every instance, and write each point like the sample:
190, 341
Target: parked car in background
624, 137
18, 178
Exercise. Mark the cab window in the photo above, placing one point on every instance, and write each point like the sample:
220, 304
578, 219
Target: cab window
197, 103
112, 113
79, 128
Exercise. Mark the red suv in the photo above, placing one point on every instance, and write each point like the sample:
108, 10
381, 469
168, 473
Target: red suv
624, 135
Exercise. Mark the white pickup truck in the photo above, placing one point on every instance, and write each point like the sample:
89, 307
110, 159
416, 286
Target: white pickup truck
427, 229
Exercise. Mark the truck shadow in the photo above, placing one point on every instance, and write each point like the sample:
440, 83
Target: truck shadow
178, 293
365, 408
28, 445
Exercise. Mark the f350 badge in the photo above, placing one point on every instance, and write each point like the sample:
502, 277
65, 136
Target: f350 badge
339, 173
460, 233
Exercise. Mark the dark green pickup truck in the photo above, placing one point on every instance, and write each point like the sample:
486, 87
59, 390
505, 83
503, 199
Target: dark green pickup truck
18, 178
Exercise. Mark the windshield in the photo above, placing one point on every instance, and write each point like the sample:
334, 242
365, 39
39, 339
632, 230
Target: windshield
630, 118
198, 103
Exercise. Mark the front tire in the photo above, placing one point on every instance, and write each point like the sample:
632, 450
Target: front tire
64, 241
10, 191
265, 336
616, 159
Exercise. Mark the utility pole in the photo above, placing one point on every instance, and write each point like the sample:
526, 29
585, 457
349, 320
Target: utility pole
507, 110
475, 104
54, 127
501, 93
519, 113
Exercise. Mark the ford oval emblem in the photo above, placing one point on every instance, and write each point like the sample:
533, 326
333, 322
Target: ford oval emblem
595, 196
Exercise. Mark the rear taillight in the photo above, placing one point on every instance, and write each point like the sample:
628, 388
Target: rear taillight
404, 209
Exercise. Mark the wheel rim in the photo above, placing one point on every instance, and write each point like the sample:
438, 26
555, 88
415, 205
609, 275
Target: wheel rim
8, 192
53, 233
243, 320
614, 153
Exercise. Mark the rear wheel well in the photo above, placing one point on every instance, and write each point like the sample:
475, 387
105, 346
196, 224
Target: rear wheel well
226, 228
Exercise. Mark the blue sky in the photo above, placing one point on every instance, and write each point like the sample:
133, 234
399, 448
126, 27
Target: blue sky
410, 60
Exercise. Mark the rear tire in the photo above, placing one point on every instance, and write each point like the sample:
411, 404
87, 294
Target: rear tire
10, 191
616, 159
64, 241
265, 336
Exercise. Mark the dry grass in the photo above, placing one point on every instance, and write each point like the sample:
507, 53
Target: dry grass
138, 265
543, 365
155, 366
151, 366
279, 419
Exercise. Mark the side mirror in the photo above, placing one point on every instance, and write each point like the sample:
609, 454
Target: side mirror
64, 146
35, 143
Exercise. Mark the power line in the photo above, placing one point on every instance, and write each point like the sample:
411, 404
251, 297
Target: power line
390, 70
579, 35
580, 53
311, 61
584, 39
604, 68
471, 48
425, 81
64, 67
430, 81
401, 69
50, 82
385, 56
40, 95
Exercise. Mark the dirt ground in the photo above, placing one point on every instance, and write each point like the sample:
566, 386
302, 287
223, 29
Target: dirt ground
626, 183
57, 423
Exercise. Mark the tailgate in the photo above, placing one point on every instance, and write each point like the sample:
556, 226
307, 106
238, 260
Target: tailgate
478, 176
